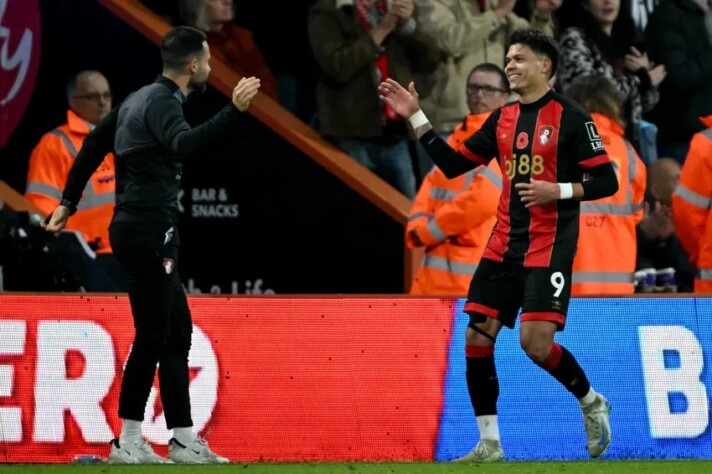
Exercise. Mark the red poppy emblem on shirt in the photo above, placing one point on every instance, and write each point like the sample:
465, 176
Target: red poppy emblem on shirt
522, 140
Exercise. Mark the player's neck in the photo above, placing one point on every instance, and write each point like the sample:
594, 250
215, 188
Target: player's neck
180, 79
531, 96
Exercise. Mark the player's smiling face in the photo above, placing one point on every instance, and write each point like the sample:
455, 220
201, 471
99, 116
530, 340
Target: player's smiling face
524, 68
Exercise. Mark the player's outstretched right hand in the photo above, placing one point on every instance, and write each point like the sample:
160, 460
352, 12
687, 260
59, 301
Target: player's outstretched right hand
57, 221
403, 102
243, 93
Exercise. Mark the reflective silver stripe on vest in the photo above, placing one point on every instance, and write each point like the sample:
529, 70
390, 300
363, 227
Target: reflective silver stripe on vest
436, 231
602, 208
442, 193
632, 161
492, 177
44, 189
90, 199
469, 176
66, 140
704, 274
602, 277
707, 133
418, 215
448, 194
449, 266
627, 208
692, 197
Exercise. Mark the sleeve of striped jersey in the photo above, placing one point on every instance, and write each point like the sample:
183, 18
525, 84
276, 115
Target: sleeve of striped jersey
481, 147
586, 143
450, 162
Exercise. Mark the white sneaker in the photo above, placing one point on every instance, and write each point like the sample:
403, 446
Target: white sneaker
139, 452
487, 450
196, 452
596, 420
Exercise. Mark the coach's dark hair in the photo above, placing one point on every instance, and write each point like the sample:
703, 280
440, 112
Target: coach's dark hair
597, 94
180, 45
493, 68
539, 43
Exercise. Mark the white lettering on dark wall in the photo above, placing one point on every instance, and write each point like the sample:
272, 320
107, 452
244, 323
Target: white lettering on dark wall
248, 287
209, 203
18, 59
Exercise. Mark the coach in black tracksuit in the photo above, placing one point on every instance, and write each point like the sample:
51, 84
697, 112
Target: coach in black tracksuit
151, 139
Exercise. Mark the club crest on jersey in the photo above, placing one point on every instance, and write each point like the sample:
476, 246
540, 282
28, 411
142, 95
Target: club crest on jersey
522, 140
168, 265
545, 132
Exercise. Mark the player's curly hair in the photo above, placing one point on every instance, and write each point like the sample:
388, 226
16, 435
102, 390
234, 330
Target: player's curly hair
538, 42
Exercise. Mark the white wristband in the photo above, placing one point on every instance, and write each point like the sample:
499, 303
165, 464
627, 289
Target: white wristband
418, 119
566, 190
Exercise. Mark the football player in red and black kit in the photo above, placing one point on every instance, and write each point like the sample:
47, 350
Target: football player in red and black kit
545, 144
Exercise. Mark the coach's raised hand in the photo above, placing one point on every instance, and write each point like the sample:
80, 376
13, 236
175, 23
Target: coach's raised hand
244, 92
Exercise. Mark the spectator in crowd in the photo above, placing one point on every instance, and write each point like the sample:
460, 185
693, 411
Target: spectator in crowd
227, 41
658, 246
469, 32
678, 36
691, 204
605, 261
640, 11
90, 101
599, 37
453, 218
357, 44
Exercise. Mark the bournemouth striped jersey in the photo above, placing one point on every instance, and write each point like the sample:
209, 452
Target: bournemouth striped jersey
553, 139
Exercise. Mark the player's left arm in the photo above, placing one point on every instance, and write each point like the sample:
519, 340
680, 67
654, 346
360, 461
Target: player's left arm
587, 147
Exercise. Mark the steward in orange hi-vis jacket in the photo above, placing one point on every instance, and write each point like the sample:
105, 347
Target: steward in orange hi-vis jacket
691, 207
47, 175
453, 219
607, 245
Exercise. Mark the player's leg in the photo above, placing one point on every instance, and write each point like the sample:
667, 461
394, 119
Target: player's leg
149, 297
492, 291
546, 300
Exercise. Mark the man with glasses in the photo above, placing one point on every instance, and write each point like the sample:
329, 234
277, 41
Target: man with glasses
90, 101
453, 218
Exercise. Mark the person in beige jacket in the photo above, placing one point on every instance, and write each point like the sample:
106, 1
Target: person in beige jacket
469, 32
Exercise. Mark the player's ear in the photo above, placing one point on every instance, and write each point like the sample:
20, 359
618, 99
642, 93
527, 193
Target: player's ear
545, 66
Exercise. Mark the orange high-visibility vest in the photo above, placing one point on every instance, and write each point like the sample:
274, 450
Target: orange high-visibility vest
691, 207
47, 175
607, 245
454, 219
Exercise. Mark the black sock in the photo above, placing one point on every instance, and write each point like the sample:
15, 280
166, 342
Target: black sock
482, 382
562, 365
